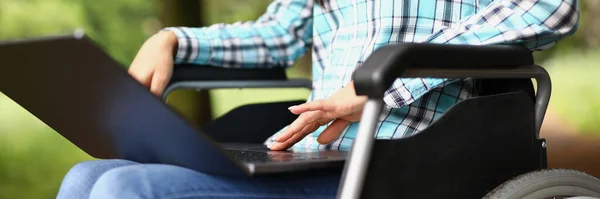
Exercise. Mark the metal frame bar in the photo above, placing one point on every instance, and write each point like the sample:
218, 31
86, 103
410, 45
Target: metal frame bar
360, 154
359, 157
200, 84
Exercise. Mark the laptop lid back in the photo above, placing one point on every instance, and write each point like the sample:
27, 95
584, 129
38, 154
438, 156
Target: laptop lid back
82, 93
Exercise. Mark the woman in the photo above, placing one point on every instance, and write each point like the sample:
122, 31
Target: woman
342, 34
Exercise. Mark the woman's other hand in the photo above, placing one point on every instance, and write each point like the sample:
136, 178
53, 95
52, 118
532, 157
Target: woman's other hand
153, 64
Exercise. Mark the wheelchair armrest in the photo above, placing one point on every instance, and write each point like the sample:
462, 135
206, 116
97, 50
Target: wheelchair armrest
390, 62
207, 77
188, 72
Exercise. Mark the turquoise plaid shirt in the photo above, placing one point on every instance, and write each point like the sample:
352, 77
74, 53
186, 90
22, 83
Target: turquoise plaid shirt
343, 33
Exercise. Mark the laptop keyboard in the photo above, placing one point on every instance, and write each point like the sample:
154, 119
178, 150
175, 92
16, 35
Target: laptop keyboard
255, 156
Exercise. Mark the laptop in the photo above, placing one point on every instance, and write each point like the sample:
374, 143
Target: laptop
74, 87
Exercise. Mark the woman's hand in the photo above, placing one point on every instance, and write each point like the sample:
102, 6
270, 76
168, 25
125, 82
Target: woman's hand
343, 108
153, 64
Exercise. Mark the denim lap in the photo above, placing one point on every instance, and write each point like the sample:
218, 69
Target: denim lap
132, 180
78, 183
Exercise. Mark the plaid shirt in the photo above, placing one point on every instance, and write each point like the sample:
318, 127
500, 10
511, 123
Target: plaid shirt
343, 33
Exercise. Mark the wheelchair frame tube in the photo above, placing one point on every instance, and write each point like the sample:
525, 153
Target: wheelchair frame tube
200, 84
360, 153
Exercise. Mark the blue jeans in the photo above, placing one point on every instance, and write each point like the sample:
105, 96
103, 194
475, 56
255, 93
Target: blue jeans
107, 179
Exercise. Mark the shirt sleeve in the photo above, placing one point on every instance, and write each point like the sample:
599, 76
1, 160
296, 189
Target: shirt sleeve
276, 39
535, 24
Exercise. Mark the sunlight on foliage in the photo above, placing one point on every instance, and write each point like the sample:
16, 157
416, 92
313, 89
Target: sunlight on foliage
576, 96
33, 157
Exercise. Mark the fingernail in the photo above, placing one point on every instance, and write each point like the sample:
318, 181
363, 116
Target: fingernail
321, 141
270, 145
291, 107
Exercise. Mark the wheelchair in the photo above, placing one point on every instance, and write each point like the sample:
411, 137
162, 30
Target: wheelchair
483, 147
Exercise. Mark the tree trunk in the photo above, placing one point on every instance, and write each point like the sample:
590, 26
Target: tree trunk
592, 32
180, 12
194, 105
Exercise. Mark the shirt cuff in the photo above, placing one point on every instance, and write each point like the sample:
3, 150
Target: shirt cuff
191, 49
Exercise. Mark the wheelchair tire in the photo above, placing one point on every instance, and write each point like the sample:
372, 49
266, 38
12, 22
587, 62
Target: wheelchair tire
551, 183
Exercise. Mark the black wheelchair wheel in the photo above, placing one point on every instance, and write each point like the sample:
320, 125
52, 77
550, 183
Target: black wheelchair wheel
551, 183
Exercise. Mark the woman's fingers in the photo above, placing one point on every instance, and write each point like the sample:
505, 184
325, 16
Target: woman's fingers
160, 79
311, 106
329, 134
333, 131
298, 124
277, 146
143, 76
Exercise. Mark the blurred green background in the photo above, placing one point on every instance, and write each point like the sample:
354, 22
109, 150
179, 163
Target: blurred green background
33, 158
